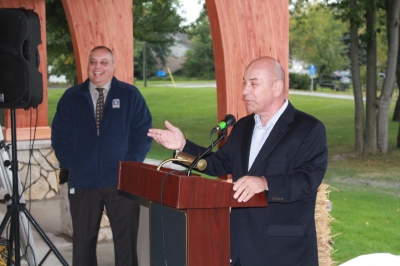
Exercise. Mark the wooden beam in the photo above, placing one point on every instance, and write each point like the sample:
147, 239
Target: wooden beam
109, 23
243, 30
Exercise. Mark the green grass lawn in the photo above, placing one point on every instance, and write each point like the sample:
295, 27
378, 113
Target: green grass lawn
365, 189
367, 220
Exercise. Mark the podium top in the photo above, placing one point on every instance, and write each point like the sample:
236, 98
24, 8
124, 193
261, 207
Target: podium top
180, 191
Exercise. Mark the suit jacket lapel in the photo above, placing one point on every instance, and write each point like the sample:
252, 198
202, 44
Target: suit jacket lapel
278, 132
246, 143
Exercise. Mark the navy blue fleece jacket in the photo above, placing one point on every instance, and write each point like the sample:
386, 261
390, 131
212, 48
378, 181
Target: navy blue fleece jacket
93, 161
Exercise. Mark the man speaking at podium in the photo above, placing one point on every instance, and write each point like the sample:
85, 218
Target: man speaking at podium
276, 150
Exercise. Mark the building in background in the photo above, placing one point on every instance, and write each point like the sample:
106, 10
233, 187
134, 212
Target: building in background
177, 57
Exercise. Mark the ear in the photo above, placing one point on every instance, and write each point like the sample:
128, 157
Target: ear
277, 87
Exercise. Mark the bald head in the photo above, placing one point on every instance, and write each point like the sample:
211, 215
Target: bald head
273, 69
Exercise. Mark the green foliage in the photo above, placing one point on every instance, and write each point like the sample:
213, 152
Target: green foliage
316, 37
200, 59
156, 20
357, 15
155, 23
299, 81
60, 54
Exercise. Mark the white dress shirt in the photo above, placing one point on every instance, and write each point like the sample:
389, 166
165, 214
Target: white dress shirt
260, 133
95, 94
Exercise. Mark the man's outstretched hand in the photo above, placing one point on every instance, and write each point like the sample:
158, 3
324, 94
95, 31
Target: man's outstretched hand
171, 138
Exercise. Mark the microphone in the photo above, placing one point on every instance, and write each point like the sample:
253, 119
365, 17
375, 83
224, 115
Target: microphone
187, 159
228, 121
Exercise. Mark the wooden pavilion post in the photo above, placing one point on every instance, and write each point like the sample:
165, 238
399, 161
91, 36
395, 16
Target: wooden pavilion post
26, 119
243, 30
109, 23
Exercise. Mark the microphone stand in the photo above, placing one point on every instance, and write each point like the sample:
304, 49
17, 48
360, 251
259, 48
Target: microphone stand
206, 152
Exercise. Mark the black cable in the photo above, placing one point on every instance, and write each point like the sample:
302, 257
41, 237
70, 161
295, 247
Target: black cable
31, 146
29, 174
221, 136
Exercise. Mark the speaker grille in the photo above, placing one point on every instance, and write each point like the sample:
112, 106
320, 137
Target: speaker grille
21, 84
13, 78
12, 28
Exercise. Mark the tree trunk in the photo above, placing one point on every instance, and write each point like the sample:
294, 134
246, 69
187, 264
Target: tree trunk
357, 87
396, 113
392, 14
370, 144
398, 137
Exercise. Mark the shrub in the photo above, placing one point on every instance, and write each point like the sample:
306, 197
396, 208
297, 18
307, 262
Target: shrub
299, 81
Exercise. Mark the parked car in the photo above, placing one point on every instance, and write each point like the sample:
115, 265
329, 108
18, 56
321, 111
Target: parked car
344, 76
332, 82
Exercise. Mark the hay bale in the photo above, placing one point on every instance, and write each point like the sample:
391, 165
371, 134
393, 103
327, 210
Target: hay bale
322, 222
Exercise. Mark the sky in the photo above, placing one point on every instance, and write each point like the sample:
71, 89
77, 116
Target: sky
192, 9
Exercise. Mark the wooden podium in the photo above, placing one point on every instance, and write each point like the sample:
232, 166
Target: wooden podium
189, 225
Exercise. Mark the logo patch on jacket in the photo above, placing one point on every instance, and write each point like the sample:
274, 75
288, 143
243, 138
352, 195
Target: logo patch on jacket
115, 103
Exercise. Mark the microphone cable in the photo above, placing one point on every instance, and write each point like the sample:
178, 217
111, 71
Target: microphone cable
29, 173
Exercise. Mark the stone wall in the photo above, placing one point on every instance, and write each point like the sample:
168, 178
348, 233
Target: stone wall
38, 170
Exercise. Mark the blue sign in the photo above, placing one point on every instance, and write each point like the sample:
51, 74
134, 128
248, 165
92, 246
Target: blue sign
312, 70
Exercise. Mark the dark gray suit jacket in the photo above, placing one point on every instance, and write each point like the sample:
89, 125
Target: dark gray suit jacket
293, 160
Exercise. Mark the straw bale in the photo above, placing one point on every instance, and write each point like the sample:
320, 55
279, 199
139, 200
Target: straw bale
322, 222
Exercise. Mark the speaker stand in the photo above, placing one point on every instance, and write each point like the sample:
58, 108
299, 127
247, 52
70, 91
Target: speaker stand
14, 209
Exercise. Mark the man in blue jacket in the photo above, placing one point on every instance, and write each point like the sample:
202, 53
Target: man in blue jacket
276, 150
91, 152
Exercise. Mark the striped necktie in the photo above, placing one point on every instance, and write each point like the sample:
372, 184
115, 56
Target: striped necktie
99, 108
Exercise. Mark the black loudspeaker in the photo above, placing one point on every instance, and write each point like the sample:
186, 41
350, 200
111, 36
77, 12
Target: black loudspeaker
168, 234
21, 84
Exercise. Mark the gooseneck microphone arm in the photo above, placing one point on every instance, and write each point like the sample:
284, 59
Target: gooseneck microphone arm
206, 152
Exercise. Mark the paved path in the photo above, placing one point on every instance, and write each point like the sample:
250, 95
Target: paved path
213, 85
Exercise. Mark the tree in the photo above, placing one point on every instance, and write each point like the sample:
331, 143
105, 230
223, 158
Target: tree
155, 22
367, 15
200, 59
357, 87
370, 140
317, 38
60, 53
392, 9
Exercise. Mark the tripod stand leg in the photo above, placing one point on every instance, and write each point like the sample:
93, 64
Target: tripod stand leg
14, 235
16, 207
5, 220
44, 237
12, 213
10, 243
